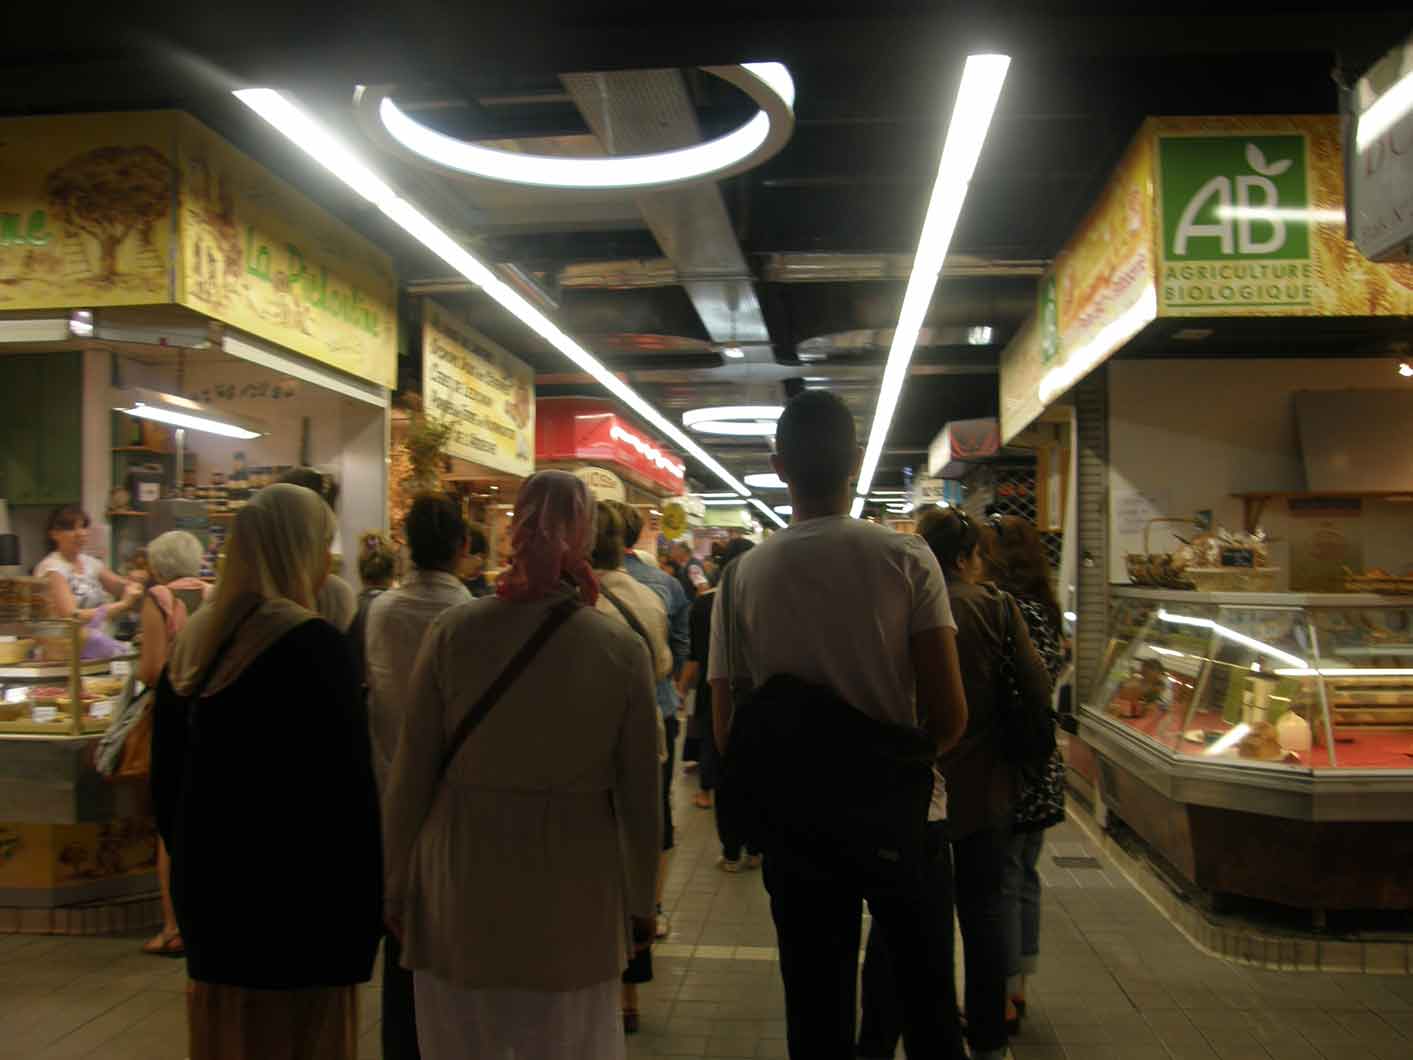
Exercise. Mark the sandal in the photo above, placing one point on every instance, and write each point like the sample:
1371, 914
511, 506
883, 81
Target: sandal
163, 944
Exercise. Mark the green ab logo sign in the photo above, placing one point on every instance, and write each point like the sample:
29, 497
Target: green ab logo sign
1238, 197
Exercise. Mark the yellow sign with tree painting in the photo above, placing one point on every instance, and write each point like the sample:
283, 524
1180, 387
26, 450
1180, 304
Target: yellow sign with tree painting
261, 257
87, 205
486, 395
153, 208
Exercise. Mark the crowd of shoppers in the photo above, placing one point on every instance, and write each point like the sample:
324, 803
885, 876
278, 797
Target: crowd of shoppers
481, 778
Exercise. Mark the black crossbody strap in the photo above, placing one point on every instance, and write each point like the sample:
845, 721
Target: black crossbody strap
558, 615
211, 668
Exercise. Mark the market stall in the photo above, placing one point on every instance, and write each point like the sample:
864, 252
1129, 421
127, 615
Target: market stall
170, 343
1242, 479
619, 460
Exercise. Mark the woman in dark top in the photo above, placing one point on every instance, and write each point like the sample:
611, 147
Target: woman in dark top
982, 786
1019, 566
263, 786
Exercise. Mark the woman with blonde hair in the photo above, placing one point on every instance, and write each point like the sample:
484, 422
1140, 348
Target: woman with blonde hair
520, 864
263, 785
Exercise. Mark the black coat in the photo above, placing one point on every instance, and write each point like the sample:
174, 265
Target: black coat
267, 804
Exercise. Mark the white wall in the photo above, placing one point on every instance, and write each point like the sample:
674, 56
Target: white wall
1188, 434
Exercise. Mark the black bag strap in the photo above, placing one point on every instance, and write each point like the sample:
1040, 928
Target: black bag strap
558, 615
632, 621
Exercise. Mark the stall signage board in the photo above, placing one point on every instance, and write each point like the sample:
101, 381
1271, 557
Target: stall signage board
487, 395
568, 429
87, 210
1203, 217
152, 208
1252, 223
602, 483
1380, 177
259, 256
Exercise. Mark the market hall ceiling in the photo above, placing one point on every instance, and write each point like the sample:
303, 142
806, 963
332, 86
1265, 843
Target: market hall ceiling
811, 249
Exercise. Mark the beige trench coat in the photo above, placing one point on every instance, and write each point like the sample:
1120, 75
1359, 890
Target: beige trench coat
518, 870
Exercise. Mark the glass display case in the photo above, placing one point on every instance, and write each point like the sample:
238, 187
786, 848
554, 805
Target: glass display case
48, 688
1294, 682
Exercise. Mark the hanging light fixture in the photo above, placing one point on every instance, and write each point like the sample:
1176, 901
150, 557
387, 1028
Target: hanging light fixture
177, 411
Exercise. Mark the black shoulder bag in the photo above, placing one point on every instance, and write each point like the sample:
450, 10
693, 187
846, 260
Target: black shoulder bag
1027, 733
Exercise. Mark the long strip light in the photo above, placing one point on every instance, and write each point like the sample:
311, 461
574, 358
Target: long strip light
326, 149
177, 411
982, 79
1227, 633
767, 511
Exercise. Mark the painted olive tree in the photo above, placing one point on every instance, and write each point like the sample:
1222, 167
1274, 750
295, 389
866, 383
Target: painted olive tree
109, 192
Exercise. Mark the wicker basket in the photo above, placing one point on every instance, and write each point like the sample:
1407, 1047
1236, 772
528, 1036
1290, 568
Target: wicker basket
1156, 568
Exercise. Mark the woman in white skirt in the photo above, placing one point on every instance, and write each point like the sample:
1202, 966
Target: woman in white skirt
521, 855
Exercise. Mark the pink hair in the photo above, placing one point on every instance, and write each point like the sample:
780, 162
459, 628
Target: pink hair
549, 539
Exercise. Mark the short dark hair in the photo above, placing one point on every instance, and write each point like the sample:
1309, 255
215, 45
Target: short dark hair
607, 552
326, 486
632, 523
950, 533
477, 544
817, 443
436, 530
65, 517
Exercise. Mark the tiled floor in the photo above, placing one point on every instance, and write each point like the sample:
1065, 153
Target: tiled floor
1118, 983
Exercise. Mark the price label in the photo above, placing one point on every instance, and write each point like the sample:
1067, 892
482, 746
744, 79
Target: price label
102, 709
17, 694
121, 667
44, 715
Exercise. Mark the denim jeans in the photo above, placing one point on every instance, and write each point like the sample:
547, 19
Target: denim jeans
979, 863
818, 921
1022, 892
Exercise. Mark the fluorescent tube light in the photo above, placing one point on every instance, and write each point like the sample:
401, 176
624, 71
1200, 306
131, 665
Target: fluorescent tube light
180, 412
1227, 633
330, 152
765, 510
735, 353
1384, 113
784, 509
856, 509
982, 79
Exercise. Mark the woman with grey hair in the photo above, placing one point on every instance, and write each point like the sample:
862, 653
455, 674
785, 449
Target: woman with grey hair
174, 558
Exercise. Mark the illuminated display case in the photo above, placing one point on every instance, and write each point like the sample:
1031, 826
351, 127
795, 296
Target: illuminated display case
1260, 743
1309, 683
47, 688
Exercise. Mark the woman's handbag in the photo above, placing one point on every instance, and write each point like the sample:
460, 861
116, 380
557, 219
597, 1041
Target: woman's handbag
1027, 729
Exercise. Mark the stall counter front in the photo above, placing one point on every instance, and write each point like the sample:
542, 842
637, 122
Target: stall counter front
1262, 743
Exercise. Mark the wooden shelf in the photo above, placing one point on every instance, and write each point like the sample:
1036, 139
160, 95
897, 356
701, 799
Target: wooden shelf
143, 449
1255, 503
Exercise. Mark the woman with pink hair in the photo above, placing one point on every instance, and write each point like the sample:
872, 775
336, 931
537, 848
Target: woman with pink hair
521, 823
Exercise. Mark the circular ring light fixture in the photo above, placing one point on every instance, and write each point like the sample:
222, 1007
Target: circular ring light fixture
767, 480
768, 84
746, 421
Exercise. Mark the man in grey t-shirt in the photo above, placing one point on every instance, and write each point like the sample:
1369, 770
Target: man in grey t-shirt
863, 611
